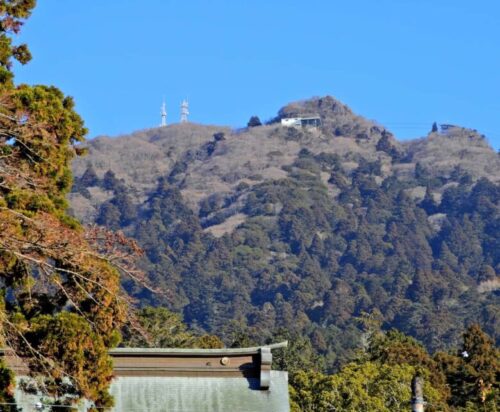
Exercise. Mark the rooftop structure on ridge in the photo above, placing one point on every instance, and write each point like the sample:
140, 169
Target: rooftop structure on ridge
310, 121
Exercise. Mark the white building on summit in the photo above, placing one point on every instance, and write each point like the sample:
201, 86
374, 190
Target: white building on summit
310, 121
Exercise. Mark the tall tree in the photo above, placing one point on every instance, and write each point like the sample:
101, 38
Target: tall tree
58, 282
254, 122
473, 375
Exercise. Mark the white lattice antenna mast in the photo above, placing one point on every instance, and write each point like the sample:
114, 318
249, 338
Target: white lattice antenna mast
163, 114
184, 111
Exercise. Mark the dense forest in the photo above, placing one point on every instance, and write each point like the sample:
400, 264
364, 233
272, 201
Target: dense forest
377, 260
315, 236
336, 234
377, 377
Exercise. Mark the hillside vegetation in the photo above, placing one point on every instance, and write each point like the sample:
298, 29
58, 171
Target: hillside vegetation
268, 227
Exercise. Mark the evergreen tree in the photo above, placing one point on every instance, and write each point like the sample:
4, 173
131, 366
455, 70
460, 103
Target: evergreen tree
473, 375
109, 216
254, 122
57, 284
385, 145
89, 177
110, 181
428, 203
12, 17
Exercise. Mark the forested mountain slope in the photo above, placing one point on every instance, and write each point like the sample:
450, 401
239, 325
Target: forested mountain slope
271, 226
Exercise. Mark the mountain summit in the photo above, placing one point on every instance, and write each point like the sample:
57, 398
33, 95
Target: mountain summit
306, 227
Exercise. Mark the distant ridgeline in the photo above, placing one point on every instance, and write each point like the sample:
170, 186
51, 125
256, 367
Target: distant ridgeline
307, 228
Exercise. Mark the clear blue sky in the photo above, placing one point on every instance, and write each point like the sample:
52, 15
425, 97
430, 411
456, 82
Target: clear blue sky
404, 63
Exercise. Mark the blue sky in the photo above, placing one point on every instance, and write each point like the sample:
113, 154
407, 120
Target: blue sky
404, 63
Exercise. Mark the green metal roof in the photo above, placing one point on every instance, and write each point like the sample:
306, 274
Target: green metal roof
185, 380
190, 394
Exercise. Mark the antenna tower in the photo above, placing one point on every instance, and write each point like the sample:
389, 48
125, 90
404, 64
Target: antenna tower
184, 111
163, 114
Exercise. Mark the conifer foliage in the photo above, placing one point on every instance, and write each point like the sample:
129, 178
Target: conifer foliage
379, 377
61, 305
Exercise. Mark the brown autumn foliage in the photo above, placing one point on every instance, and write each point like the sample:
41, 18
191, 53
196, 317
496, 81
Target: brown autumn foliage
61, 304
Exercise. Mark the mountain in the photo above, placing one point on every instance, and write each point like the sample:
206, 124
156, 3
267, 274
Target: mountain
251, 230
